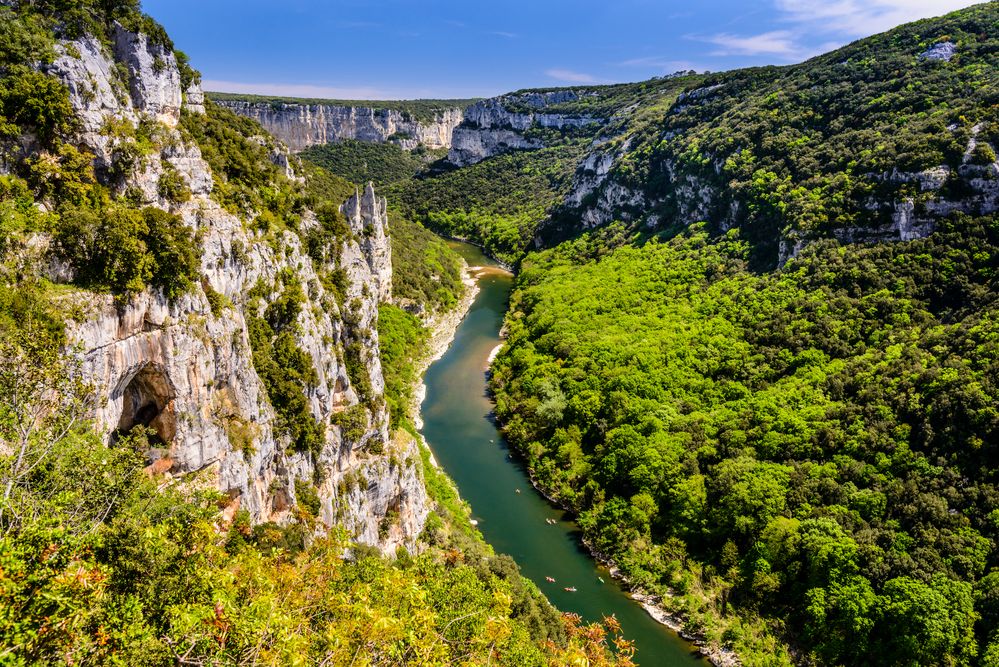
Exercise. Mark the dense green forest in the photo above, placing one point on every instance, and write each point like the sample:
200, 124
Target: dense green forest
364, 161
811, 445
799, 459
813, 149
499, 203
805, 453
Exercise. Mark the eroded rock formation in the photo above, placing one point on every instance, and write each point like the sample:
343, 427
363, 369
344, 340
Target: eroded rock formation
303, 125
187, 372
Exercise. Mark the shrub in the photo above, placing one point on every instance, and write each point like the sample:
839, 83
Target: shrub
172, 185
124, 250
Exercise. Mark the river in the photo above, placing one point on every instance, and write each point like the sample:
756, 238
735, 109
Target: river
510, 513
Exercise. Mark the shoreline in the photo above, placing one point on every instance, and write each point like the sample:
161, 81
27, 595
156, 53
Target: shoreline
442, 332
443, 329
652, 604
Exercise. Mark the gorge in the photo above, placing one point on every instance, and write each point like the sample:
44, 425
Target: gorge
745, 356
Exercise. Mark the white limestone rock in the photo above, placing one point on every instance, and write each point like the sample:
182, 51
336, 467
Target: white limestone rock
188, 372
490, 128
154, 80
943, 51
302, 125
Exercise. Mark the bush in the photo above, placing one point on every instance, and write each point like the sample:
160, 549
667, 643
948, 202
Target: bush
124, 250
172, 186
35, 102
286, 370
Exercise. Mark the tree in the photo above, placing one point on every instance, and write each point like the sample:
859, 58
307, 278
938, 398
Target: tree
42, 400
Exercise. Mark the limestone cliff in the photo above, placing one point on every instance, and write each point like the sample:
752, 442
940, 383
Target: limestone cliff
303, 125
602, 193
188, 372
501, 124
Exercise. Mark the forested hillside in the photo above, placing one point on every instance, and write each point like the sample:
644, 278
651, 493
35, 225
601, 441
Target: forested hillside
797, 457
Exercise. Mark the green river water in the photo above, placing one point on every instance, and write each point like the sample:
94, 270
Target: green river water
457, 425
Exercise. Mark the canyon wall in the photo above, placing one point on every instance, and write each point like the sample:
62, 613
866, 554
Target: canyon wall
186, 368
501, 124
302, 125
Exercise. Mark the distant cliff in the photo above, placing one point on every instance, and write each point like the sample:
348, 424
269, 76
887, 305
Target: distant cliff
513, 122
304, 123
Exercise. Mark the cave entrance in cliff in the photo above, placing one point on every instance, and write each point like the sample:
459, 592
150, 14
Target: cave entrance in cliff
147, 400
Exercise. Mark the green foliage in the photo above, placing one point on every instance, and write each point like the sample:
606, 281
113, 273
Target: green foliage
353, 423
101, 565
425, 271
123, 249
816, 442
356, 362
34, 102
172, 186
246, 181
812, 147
364, 161
285, 369
307, 497
499, 202
71, 19
217, 301
402, 340
24, 39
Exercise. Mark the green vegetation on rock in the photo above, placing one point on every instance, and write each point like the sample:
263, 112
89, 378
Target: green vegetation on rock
364, 161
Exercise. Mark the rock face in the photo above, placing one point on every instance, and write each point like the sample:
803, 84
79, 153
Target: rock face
303, 125
601, 194
491, 126
942, 51
188, 373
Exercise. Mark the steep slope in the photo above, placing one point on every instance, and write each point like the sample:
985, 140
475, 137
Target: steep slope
764, 376
196, 364
193, 362
196, 462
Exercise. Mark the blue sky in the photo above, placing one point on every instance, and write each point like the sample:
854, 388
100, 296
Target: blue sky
400, 49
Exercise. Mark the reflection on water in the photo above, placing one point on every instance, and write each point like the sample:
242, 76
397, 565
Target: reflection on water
512, 516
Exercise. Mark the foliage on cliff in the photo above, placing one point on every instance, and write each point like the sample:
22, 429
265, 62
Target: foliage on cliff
364, 161
499, 202
823, 146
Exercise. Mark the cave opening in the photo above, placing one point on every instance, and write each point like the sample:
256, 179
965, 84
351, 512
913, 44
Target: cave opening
147, 401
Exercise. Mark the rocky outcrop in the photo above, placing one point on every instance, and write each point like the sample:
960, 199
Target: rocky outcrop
943, 51
154, 79
502, 124
302, 125
186, 370
601, 194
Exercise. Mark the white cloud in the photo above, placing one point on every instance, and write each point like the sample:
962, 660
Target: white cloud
776, 42
297, 90
659, 62
502, 33
569, 76
834, 21
858, 18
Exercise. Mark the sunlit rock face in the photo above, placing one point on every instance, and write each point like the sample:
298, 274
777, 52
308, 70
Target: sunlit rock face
187, 373
303, 125
490, 127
